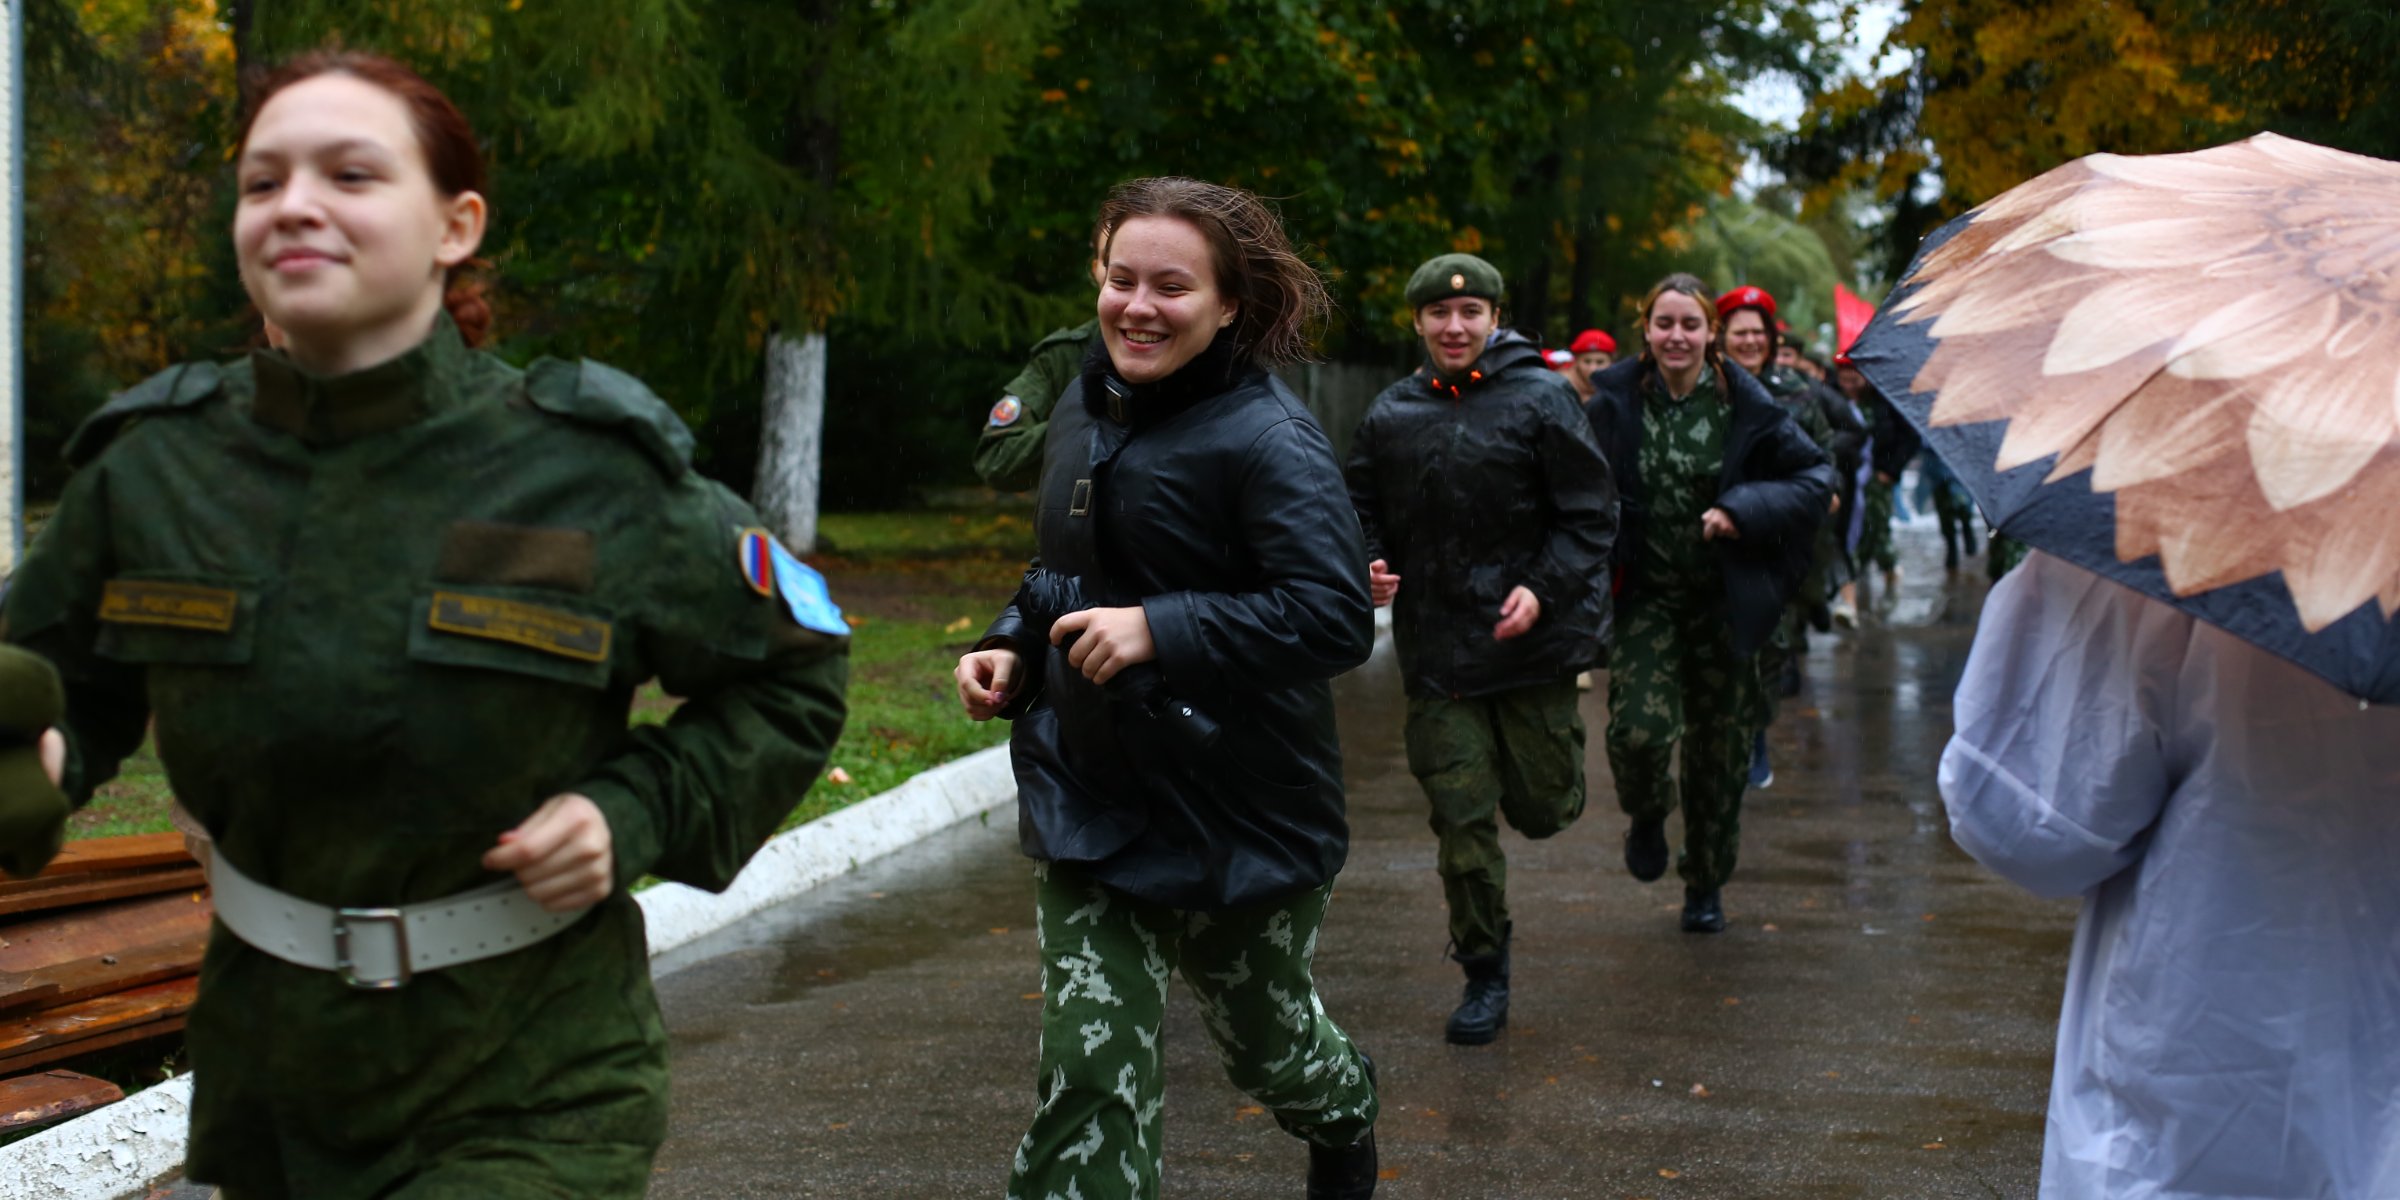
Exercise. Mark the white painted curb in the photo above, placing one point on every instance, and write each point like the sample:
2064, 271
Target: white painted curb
122, 1151
118, 1151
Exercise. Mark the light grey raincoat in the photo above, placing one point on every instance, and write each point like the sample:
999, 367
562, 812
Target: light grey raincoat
2232, 1018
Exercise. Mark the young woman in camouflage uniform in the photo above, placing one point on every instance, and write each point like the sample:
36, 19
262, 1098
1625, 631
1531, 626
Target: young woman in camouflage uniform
1199, 566
388, 599
1721, 496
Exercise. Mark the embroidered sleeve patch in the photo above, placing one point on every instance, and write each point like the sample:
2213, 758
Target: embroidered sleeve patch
1007, 411
551, 630
805, 594
176, 605
755, 555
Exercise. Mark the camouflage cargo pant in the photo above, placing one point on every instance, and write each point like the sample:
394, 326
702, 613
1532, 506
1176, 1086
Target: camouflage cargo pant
1675, 680
1106, 957
1875, 540
1517, 754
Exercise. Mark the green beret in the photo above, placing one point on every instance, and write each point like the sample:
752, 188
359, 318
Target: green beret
1447, 275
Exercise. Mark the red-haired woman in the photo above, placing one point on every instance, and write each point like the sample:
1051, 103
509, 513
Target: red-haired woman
1720, 497
1199, 560
387, 599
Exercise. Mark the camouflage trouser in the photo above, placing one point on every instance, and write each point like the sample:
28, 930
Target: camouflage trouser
1675, 678
1106, 957
1875, 541
1789, 643
1518, 754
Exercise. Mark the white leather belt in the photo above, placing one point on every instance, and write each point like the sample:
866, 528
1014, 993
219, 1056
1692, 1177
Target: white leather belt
376, 949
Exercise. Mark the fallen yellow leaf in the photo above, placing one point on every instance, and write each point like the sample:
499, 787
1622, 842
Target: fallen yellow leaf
1700, 1090
1669, 1173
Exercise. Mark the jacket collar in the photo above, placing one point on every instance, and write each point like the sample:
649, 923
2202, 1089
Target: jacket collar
1506, 349
1139, 406
322, 410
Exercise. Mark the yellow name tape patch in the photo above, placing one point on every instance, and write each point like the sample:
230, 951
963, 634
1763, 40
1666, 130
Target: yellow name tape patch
553, 631
176, 605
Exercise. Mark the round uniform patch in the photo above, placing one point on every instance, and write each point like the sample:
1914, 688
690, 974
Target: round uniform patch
1458, 281
1007, 411
755, 555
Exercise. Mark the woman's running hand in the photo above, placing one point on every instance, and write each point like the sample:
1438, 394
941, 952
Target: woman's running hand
54, 755
984, 678
1382, 585
562, 855
1113, 639
1716, 525
1517, 614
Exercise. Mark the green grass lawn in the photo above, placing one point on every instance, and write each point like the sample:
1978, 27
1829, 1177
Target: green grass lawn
918, 588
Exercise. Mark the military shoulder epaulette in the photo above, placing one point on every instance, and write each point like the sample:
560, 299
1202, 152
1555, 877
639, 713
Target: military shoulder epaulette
599, 394
180, 386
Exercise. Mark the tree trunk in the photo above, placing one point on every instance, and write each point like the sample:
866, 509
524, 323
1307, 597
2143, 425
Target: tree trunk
1532, 315
791, 444
1580, 281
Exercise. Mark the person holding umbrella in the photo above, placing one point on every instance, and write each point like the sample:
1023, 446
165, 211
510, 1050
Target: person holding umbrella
1721, 496
2184, 705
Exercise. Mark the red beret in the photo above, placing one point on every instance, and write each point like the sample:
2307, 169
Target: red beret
1592, 339
1746, 296
1559, 360
1843, 360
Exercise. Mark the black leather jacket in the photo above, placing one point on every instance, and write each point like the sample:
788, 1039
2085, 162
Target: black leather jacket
1776, 484
1212, 500
1470, 488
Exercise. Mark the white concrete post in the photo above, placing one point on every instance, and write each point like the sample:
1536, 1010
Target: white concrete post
791, 444
12, 283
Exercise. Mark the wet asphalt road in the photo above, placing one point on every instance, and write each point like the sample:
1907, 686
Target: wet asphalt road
1876, 1023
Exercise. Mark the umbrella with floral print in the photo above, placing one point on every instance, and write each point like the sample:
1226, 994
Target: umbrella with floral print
2181, 371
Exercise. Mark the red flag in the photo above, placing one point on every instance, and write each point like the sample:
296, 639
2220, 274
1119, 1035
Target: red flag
1850, 317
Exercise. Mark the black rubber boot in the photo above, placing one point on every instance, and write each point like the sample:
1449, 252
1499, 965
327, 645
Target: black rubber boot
1702, 913
1347, 1173
1646, 849
1484, 1012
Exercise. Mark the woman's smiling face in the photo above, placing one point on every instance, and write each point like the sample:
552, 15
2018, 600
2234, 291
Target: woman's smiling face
341, 234
1677, 332
1159, 299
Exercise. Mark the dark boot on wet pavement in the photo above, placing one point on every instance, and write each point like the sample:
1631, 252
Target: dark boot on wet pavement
1702, 911
1481, 1016
1762, 769
1646, 849
1347, 1173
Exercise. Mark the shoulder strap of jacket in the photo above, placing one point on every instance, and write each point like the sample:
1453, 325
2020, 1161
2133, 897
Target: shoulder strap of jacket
180, 386
598, 394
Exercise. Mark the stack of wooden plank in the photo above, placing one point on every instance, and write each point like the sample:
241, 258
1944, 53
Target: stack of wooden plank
100, 950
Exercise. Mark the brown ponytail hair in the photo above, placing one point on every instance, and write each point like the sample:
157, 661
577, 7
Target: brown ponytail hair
1281, 297
453, 158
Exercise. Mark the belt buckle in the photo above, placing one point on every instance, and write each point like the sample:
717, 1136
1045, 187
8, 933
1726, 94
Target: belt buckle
343, 918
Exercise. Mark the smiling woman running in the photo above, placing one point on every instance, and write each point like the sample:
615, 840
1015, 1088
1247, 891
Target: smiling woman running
1721, 497
388, 599
1193, 506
